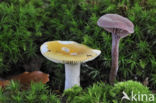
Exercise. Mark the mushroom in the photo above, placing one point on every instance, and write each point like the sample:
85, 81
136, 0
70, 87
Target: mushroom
70, 53
120, 27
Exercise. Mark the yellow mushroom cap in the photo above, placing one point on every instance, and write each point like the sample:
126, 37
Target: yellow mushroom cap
68, 52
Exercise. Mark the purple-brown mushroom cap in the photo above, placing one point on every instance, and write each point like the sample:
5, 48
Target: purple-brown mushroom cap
111, 22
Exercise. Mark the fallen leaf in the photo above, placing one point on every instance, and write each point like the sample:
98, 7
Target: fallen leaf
27, 77
4, 83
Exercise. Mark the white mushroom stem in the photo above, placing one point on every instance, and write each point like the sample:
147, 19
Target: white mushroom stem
72, 75
115, 53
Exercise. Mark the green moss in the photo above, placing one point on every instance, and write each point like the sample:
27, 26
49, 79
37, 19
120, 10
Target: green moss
132, 89
103, 93
37, 93
93, 94
97, 93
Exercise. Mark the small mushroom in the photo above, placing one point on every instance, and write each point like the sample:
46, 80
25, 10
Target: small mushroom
120, 27
70, 53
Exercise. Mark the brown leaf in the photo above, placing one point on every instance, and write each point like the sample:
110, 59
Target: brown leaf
4, 83
28, 77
